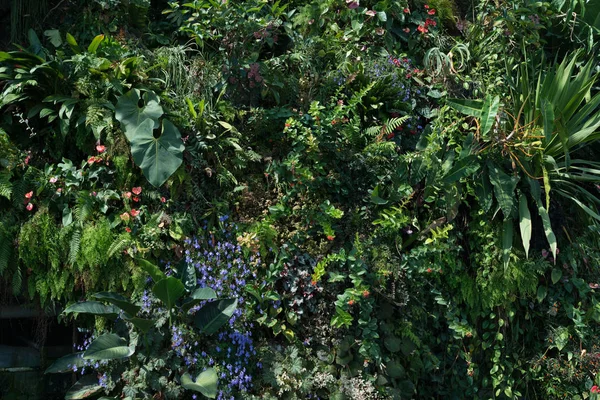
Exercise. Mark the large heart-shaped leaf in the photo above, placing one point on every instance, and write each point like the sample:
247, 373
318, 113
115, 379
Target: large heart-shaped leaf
85, 387
205, 383
158, 157
169, 290
119, 301
133, 109
92, 307
108, 347
66, 363
214, 315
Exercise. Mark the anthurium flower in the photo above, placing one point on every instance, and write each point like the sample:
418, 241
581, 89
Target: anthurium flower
29, 207
127, 195
431, 12
134, 212
371, 13
53, 179
137, 190
125, 217
28, 195
100, 148
406, 10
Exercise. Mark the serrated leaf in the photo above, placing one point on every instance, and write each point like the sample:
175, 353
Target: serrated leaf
213, 315
205, 383
525, 223
108, 347
169, 290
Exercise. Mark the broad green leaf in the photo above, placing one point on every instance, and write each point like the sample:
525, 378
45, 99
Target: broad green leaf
341, 318
119, 301
525, 223
468, 107
84, 388
213, 315
34, 43
133, 109
375, 197
507, 241
93, 47
92, 307
73, 43
536, 194
54, 36
142, 324
66, 363
169, 290
155, 273
504, 189
67, 216
556, 275
541, 293
158, 157
462, 168
488, 114
483, 191
392, 343
108, 347
205, 383
198, 296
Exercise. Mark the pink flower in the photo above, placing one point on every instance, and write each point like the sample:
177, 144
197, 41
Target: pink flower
134, 212
544, 253
352, 5
136, 199
163, 200
125, 217
58, 190
593, 285
407, 30
91, 160
137, 190
595, 389
371, 13
127, 195
380, 31
28, 195
431, 12
29, 207
406, 10
100, 148
53, 179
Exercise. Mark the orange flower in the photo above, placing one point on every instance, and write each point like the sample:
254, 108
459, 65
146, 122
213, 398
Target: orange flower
365, 293
134, 212
330, 237
350, 302
137, 190
28, 195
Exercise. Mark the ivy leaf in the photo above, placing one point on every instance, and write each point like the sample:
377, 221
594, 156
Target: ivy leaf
205, 383
169, 290
132, 110
108, 347
158, 157
556, 275
214, 315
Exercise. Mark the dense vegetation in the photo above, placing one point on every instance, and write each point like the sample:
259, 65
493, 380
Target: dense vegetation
328, 199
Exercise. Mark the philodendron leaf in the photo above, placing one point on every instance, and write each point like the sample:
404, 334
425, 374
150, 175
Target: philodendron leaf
119, 301
92, 307
133, 109
66, 363
214, 315
466, 106
525, 223
158, 157
86, 386
108, 347
205, 383
169, 290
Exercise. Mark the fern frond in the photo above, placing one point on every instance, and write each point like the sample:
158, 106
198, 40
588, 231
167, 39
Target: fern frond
6, 249
5, 184
74, 246
388, 127
17, 282
117, 246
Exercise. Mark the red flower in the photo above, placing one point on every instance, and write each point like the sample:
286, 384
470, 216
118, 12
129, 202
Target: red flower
329, 237
365, 293
595, 389
406, 10
100, 148
429, 270
127, 229
163, 200
137, 190
134, 212
136, 199
350, 302
28, 195
426, 6
91, 160
29, 207
431, 22
431, 12
422, 29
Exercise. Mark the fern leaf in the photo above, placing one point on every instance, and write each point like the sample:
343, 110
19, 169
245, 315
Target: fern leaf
17, 282
74, 246
117, 246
